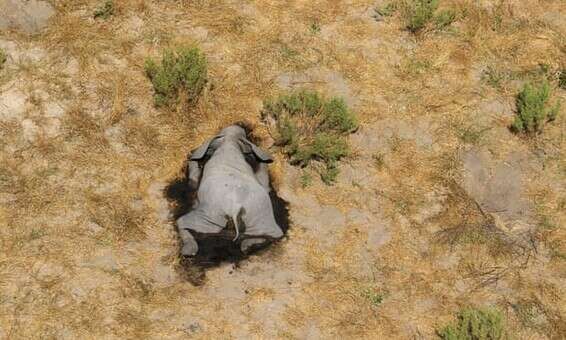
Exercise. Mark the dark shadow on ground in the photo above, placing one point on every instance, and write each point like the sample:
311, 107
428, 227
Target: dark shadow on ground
219, 249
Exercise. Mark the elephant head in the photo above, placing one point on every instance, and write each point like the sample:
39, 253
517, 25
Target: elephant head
233, 135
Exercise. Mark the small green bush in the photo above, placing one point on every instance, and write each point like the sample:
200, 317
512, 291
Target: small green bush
310, 127
533, 109
3, 58
475, 324
314, 28
181, 74
105, 10
420, 12
374, 298
444, 18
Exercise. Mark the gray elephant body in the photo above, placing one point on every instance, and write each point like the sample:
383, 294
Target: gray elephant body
230, 189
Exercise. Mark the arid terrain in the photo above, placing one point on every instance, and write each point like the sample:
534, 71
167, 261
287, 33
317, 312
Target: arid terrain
440, 206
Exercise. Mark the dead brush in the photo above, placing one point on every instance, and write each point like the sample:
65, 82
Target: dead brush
80, 126
466, 223
116, 215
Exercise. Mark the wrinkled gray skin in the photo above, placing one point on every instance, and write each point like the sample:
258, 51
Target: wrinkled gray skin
229, 189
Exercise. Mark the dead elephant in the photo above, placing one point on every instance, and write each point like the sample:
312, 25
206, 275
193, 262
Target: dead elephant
230, 175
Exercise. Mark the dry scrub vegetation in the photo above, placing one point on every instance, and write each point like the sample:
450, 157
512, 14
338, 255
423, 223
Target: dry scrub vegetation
439, 212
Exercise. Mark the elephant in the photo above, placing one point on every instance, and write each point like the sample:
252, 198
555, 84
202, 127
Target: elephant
230, 176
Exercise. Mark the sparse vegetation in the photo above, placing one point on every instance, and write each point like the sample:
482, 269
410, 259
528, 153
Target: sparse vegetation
373, 297
445, 18
386, 11
466, 224
311, 128
305, 180
533, 108
475, 324
181, 76
472, 134
531, 314
378, 160
105, 10
420, 13
494, 77
315, 28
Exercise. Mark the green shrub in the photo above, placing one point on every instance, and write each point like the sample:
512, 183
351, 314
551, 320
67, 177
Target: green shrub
181, 74
3, 58
314, 28
475, 324
533, 109
374, 298
420, 12
105, 10
310, 127
444, 18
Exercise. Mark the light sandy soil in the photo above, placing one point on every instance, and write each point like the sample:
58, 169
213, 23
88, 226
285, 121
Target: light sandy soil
439, 207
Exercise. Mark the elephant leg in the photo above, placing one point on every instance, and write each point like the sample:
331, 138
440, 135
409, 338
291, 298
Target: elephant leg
196, 222
262, 226
201, 223
190, 246
250, 244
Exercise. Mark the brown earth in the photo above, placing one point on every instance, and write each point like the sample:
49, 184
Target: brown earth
439, 207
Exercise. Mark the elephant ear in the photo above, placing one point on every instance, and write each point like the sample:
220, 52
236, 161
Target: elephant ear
259, 153
201, 151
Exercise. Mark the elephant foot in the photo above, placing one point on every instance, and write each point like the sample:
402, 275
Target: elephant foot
190, 248
250, 244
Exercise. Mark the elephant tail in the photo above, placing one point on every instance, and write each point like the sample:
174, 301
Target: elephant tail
236, 218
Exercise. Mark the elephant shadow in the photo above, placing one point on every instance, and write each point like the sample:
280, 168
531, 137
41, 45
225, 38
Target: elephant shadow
214, 251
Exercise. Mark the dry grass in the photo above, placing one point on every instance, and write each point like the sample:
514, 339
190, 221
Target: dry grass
84, 227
